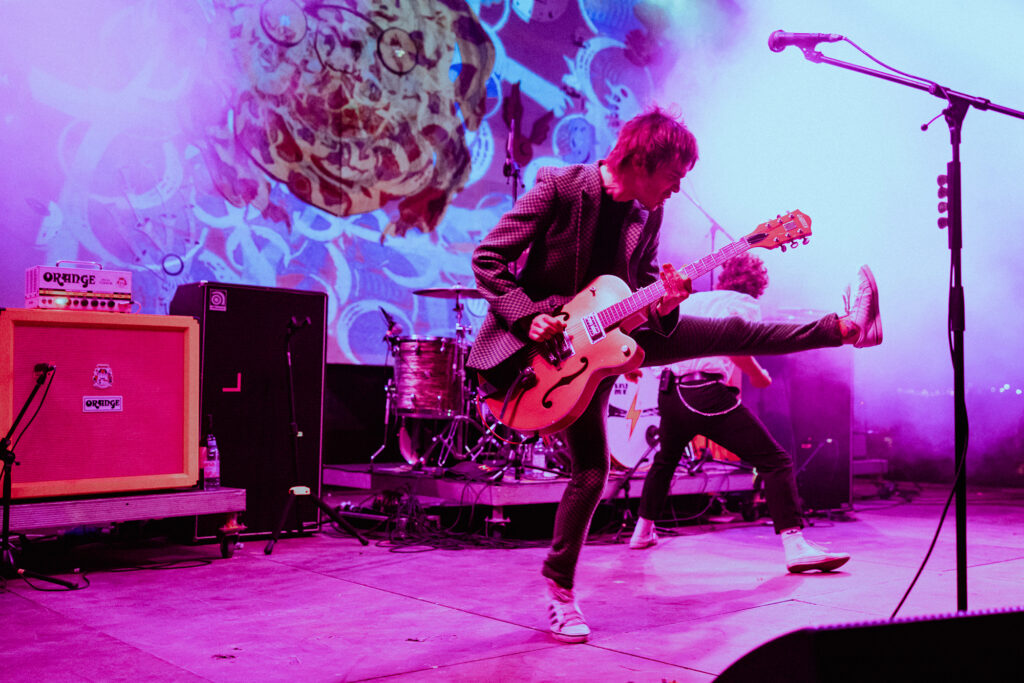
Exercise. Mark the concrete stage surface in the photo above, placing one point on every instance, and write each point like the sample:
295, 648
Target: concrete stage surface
325, 608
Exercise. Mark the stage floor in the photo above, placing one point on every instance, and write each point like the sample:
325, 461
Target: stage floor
325, 608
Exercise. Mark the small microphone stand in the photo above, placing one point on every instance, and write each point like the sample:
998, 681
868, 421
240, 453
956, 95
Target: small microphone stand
389, 394
653, 440
715, 227
298, 489
8, 565
954, 113
514, 173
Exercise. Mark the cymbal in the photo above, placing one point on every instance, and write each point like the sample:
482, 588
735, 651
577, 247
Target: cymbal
450, 293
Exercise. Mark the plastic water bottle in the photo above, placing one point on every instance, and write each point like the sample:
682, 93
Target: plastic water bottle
211, 470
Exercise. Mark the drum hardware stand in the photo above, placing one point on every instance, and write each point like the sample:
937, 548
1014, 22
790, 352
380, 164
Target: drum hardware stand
8, 566
453, 440
389, 389
514, 459
299, 490
695, 463
628, 521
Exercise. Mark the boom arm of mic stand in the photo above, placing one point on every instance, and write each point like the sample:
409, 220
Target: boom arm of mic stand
927, 86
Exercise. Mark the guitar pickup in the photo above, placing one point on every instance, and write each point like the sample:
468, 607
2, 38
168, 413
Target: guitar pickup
594, 328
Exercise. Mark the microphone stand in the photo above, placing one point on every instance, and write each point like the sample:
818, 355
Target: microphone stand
8, 566
298, 489
715, 227
954, 113
514, 173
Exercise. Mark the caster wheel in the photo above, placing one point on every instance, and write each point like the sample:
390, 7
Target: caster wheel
227, 546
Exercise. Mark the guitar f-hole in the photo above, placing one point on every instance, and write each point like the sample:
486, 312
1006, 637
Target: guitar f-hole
545, 401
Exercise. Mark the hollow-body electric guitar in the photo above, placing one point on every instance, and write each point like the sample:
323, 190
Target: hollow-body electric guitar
556, 379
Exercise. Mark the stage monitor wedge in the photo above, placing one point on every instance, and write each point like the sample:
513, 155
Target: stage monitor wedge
969, 646
244, 392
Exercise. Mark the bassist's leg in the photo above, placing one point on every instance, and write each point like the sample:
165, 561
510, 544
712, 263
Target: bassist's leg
698, 337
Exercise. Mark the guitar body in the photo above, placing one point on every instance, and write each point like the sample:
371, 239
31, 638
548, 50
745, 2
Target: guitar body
557, 379
563, 391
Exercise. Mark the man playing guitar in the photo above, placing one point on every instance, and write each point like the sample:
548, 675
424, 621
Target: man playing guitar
577, 226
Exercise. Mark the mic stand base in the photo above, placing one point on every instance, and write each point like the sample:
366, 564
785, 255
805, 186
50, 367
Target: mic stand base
305, 492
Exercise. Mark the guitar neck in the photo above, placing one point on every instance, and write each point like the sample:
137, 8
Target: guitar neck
645, 296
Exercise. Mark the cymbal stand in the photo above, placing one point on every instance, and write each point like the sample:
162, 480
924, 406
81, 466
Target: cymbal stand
454, 438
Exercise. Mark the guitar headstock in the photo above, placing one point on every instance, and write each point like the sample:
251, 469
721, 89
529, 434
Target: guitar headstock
790, 228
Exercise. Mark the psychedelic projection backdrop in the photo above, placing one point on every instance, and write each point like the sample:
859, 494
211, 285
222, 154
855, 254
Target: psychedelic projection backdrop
355, 147
358, 147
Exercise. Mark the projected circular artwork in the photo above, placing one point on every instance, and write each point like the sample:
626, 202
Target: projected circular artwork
352, 107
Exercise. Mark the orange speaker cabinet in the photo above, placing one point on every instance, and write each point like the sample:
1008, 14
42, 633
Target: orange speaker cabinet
120, 412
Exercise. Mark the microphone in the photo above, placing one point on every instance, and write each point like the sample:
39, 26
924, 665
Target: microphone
780, 40
296, 324
44, 367
507, 169
391, 322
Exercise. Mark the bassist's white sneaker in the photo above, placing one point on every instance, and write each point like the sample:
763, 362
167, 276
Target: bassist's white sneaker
804, 556
643, 536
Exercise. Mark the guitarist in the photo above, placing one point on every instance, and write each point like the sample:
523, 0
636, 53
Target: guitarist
582, 221
697, 399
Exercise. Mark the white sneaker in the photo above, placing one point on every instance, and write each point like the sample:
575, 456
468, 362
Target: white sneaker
643, 535
804, 556
564, 617
864, 312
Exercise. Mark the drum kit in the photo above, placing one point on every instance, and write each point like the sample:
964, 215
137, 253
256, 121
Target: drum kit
433, 399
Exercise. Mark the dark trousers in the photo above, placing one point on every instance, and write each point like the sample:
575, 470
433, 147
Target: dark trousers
738, 430
586, 439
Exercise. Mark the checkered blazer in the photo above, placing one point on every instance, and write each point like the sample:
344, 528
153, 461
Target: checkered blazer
555, 222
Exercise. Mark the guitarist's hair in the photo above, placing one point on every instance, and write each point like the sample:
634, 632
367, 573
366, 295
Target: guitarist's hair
744, 273
654, 139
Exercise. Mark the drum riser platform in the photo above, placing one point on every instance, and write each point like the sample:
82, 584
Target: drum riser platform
714, 479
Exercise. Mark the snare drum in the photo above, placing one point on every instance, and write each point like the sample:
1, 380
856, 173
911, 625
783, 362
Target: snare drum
426, 376
633, 418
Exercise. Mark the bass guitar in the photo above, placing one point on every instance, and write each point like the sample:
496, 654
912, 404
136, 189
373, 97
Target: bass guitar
556, 379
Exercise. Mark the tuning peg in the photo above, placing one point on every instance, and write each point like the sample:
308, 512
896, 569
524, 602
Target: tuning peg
943, 206
783, 247
943, 223
807, 240
795, 244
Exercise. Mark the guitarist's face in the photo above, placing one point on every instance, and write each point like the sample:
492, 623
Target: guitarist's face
652, 189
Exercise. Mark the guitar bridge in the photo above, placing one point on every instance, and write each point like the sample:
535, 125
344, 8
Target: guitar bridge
558, 349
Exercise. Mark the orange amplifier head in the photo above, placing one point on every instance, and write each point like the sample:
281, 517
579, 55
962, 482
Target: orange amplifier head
81, 289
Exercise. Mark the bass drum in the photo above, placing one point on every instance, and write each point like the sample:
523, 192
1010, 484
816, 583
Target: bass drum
633, 419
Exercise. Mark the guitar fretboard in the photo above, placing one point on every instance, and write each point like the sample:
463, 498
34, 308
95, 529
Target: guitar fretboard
644, 297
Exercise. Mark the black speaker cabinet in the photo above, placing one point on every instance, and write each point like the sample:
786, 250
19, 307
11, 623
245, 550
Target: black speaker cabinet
244, 394
970, 646
808, 409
